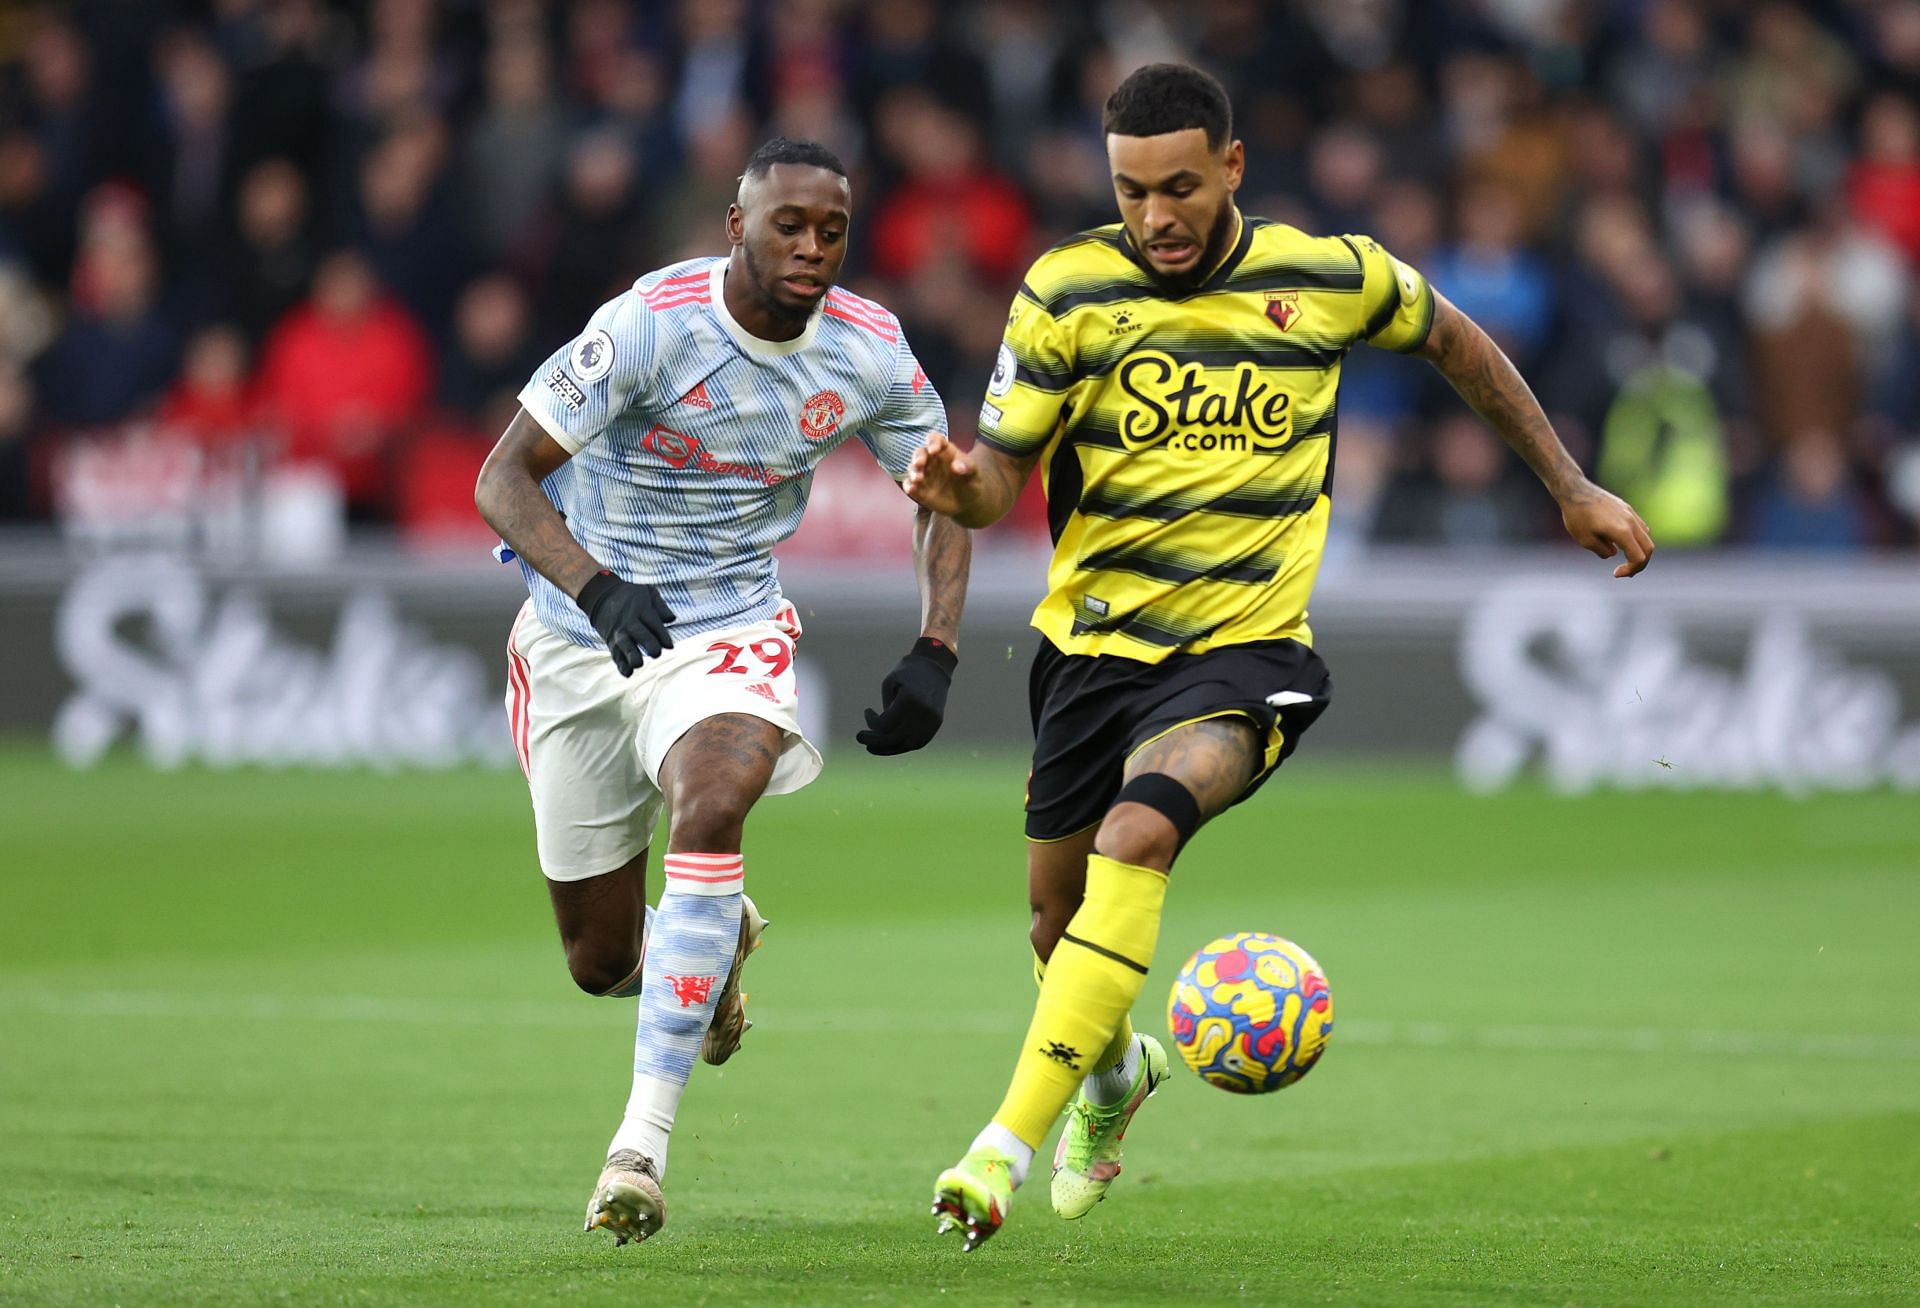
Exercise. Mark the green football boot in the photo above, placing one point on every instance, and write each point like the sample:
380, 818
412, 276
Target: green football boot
974, 1194
1088, 1157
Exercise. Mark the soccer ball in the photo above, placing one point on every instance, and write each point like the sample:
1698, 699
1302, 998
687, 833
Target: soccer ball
1251, 1013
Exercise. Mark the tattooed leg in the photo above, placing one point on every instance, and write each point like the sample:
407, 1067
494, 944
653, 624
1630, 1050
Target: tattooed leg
703, 930
1097, 966
1213, 760
712, 776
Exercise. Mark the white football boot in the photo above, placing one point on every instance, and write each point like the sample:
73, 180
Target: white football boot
730, 1021
627, 1201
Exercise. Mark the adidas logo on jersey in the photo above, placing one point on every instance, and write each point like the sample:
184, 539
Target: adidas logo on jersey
697, 398
764, 691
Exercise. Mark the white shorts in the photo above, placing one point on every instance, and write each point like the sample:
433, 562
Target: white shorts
592, 741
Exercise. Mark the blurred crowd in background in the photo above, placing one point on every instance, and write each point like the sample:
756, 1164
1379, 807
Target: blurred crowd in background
266, 235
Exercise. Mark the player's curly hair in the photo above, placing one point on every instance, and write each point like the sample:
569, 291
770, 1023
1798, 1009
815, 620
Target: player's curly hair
785, 150
1160, 98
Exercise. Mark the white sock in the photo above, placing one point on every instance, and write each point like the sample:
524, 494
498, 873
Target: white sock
692, 939
1111, 1086
1019, 1151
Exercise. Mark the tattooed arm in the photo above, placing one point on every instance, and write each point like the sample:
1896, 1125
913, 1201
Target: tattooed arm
1487, 380
913, 696
975, 488
509, 497
942, 556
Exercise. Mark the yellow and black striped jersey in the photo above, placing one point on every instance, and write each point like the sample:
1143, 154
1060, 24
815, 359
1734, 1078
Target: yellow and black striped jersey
1188, 435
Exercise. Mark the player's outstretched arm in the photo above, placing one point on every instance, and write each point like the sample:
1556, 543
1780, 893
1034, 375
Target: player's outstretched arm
1487, 380
942, 559
913, 697
630, 616
975, 487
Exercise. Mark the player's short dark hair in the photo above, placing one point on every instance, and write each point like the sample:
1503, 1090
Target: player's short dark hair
785, 150
1161, 98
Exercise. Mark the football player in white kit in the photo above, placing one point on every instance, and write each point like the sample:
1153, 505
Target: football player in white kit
656, 461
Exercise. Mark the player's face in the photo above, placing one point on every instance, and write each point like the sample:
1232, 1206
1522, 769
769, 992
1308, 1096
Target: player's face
791, 227
1176, 198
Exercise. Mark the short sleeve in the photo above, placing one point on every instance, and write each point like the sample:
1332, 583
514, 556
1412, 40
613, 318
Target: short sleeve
588, 382
911, 412
1031, 377
1396, 302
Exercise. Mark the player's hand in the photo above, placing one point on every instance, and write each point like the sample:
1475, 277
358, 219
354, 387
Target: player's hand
941, 477
1606, 524
630, 616
913, 700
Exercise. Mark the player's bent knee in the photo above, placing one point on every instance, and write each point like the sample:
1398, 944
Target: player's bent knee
1152, 817
1136, 835
597, 969
1049, 922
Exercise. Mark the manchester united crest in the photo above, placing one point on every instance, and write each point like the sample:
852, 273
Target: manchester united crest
820, 415
1284, 308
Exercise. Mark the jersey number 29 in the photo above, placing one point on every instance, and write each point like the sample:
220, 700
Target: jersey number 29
777, 654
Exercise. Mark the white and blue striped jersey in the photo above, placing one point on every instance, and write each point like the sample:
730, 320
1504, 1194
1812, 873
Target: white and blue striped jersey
694, 443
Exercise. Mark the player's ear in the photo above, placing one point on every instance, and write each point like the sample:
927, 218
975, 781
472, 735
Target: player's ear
1236, 165
736, 225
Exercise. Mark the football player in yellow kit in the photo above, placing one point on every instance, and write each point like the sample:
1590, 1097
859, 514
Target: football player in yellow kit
1175, 377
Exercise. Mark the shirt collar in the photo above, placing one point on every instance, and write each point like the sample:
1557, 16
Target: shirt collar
1216, 275
746, 340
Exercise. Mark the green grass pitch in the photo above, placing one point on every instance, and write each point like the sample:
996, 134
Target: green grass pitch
307, 1038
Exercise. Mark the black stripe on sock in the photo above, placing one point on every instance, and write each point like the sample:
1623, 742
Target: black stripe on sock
1103, 951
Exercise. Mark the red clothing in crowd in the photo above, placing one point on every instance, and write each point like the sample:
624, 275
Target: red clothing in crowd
1886, 197
212, 418
983, 216
433, 487
343, 387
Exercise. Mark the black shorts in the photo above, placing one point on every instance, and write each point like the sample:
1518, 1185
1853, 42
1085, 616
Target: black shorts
1092, 711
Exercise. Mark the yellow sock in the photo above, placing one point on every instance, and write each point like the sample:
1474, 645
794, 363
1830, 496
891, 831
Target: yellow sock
1122, 1039
1095, 974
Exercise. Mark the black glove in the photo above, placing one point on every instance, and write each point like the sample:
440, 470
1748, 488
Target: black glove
913, 700
629, 615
